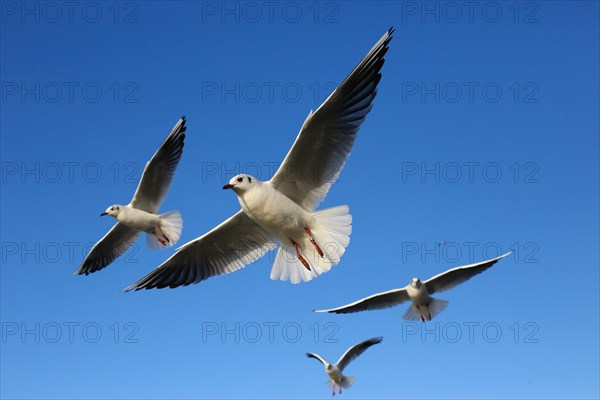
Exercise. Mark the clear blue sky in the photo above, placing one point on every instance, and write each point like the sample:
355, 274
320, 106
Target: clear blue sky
483, 139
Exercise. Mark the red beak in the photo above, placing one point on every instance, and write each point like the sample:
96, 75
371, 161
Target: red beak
228, 186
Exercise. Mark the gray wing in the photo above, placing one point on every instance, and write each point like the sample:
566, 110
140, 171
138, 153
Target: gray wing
377, 301
230, 246
318, 357
454, 277
111, 246
356, 351
325, 140
159, 171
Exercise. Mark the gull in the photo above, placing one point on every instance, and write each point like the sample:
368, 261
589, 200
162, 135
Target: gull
336, 378
424, 307
281, 211
162, 230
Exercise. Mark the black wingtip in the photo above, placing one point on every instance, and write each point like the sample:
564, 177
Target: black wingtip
183, 117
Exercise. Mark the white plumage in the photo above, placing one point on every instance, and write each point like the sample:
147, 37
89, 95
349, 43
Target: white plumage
335, 371
423, 307
281, 212
140, 215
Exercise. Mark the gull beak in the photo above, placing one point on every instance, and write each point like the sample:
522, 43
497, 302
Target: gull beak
103, 214
228, 186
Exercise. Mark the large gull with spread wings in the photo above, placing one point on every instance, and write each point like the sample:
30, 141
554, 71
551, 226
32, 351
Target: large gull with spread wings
281, 212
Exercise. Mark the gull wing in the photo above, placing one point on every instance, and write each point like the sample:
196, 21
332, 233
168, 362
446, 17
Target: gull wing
318, 357
111, 246
159, 171
454, 277
355, 351
377, 301
325, 140
230, 246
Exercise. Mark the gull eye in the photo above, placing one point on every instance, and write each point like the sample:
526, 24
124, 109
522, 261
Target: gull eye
240, 179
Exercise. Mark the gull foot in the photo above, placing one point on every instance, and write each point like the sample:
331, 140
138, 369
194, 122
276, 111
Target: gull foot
160, 240
421, 314
314, 242
302, 260
163, 234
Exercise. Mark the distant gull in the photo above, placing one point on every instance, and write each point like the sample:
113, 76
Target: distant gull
280, 212
162, 230
336, 378
423, 306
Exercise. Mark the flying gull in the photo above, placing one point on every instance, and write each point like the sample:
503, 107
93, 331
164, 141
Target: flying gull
281, 212
162, 230
336, 378
424, 307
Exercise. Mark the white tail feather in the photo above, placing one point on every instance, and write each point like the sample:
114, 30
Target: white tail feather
171, 225
287, 267
332, 231
347, 381
425, 312
412, 314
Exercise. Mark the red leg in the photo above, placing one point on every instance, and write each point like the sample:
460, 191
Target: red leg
313, 241
333, 392
162, 233
159, 239
302, 260
421, 314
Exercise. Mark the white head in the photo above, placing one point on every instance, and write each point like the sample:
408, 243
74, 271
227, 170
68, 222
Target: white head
113, 210
416, 283
241, 183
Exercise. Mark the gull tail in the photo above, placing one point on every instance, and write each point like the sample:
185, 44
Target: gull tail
168, 233
332, 235
425, 312
334, 226
347, 381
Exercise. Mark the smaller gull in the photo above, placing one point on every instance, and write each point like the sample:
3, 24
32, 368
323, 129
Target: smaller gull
337, 378
140, 214
424, 307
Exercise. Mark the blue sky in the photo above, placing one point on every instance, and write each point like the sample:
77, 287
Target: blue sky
483, 139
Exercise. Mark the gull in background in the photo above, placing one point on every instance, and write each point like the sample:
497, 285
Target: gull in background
424, 307
334, 371
162, 230
282, 210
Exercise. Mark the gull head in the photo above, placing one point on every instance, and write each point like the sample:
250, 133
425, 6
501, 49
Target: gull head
416, 283
329, 367
113, 211
240, 183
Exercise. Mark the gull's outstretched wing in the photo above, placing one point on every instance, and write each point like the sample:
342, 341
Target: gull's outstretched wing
159, 171
453, 277
318, 357
230, 246
356, 351
111, 246
377, 301
325, 140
